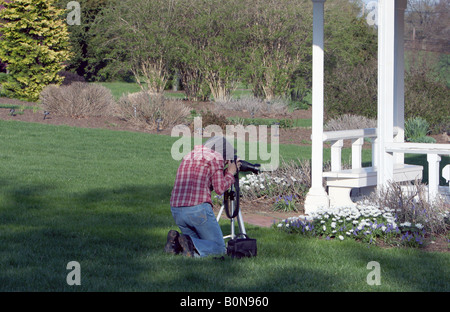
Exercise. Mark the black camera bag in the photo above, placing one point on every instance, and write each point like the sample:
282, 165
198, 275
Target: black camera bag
241, 246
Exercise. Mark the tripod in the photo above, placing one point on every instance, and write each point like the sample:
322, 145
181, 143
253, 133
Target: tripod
232, 195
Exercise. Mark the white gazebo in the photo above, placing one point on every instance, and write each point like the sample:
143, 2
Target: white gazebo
388, 145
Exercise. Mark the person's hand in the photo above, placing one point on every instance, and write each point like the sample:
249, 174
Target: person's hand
232, 166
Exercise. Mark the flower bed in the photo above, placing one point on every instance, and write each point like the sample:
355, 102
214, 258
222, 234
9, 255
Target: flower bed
365, 222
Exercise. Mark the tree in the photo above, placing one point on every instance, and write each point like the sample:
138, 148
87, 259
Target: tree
278, 47
84, 61
34, 44
135, 35
350, 62
211, 38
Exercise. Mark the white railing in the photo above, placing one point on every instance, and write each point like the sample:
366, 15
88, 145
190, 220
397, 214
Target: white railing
357, 136
433, 152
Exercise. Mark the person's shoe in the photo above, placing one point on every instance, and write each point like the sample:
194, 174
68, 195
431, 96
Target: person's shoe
186, 245
172, 244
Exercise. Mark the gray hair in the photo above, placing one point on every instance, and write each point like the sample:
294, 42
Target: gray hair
222, 146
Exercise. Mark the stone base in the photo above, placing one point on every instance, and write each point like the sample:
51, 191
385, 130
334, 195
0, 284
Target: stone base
315, 199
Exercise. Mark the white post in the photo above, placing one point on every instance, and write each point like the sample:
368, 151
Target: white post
433, 175
317, 196
357, 153
399, 89
336, 155
386, 68
375, 153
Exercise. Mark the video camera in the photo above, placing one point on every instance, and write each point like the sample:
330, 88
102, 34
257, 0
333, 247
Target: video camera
246, 166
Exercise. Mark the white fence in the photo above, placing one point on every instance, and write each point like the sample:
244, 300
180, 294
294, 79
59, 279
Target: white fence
340, 181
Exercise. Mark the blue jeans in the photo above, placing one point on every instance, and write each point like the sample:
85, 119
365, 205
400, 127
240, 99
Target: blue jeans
201, 225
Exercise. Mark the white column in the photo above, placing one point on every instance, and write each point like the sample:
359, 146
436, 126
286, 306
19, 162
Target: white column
357, 145
399, 89
433, 175
386, 96
336, 155
317, 197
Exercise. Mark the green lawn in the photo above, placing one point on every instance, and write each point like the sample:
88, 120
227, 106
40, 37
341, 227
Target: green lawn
119, 88
101, 198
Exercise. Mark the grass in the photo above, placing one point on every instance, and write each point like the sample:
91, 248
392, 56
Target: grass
119, 88
9, 106
101, 198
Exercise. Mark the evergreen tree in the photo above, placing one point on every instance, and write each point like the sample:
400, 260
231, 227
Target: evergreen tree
34, 44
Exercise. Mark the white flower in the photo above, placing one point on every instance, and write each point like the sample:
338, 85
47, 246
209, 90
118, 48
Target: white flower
341, 237
324, 228
333, 224
419, 226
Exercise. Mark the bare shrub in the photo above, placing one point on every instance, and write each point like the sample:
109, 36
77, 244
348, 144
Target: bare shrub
410, 203
252, 105
350, 122
145, 109
78, 99
291, 178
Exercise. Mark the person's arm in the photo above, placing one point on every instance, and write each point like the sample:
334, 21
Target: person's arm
221, 181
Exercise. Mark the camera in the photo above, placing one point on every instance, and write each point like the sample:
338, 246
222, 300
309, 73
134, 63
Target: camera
246, 166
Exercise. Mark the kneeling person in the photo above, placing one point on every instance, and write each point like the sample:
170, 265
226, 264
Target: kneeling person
200, 171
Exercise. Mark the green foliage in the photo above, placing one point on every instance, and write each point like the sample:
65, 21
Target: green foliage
210, 45
352, 90
278, 57
350, 85
136, 36
443, 68
84, 61
34, 45
427, 96
282, 123
416, 130
286, 203
214, 44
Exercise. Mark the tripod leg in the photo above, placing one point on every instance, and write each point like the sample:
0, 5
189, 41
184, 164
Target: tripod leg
220, 213
241, 223
232, 220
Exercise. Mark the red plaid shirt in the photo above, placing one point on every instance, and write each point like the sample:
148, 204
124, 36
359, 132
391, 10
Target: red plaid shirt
198, 171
